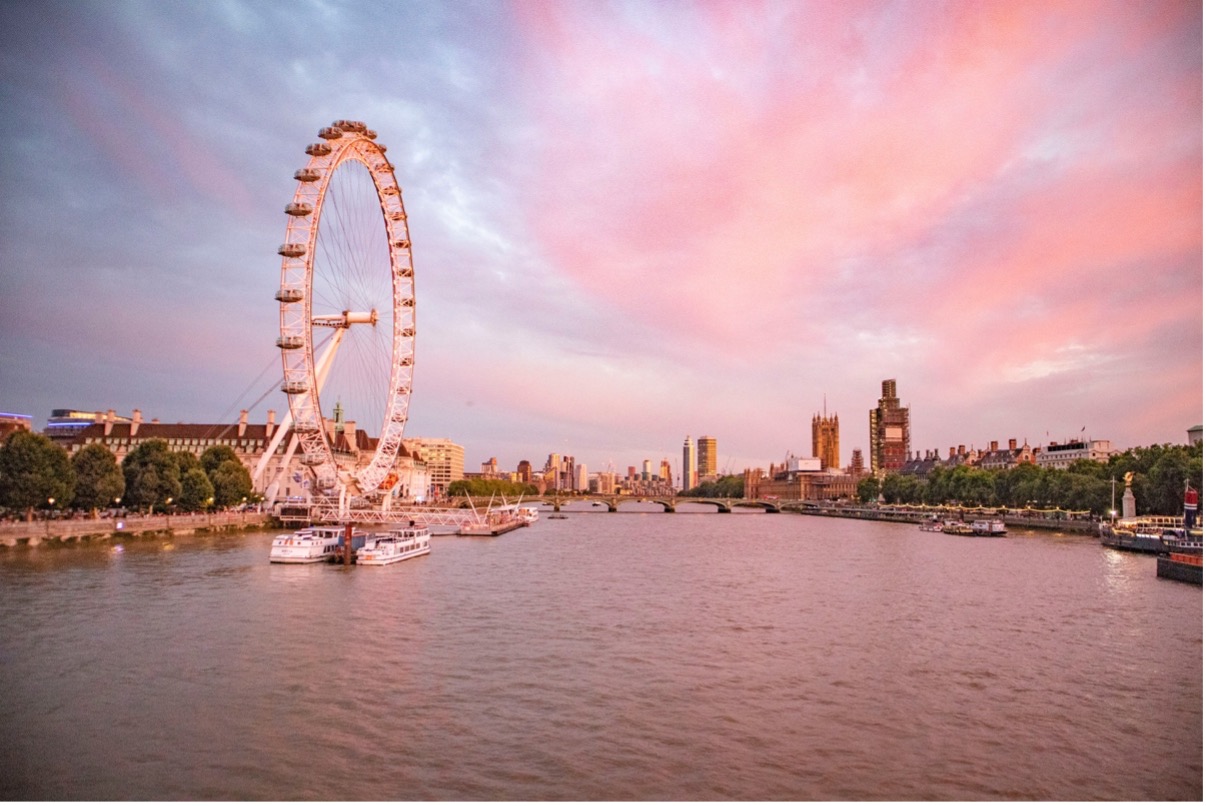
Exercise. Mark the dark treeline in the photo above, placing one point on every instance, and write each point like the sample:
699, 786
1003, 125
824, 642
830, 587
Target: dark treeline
1160, 473
723, 487
35, 473
484, 488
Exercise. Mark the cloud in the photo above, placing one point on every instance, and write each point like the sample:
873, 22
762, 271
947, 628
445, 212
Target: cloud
632, 221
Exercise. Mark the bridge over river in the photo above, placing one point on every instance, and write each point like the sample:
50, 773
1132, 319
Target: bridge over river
622, 503
1057, 520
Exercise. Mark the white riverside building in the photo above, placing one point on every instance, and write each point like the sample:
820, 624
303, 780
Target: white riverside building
1059, 455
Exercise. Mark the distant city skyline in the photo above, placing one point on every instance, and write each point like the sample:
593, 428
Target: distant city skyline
630, 222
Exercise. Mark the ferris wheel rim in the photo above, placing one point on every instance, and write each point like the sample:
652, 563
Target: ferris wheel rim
343, 142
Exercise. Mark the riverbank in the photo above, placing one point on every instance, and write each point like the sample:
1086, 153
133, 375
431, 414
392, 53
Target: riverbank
34, 533
1036, 520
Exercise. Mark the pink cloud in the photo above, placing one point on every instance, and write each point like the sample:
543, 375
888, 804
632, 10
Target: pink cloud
988, 193
726, 190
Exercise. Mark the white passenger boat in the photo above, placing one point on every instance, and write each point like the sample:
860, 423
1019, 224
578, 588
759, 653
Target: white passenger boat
394, 545
314, 544
994, 527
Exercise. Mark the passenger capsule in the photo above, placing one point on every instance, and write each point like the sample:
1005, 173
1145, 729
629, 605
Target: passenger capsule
318, 149
290, 342
306, 175
291, 250
402, 244
397, 215
294, 387
330, 133
372, 135
289, 295
408, 333
312, 459
390, 190
298, 208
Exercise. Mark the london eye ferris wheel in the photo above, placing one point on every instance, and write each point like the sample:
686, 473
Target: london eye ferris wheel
347, 310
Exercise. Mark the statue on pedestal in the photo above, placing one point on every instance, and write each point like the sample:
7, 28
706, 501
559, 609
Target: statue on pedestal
1128, 497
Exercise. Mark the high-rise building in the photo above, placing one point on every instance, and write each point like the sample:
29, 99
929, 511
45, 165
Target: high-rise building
524, 471
889, 432
707, 458
552, 471
583, 479
825, 441
666, 473
690, 470
445, 461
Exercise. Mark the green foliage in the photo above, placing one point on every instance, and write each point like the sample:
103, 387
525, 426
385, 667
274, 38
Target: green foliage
868, 489
723, 487
484, 488
231, 482
1161, 472
152, 475
196, 491
213, 458
34, 470
186, 461
98, 478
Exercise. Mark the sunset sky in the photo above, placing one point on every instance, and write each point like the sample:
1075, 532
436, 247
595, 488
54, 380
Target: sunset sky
632, 221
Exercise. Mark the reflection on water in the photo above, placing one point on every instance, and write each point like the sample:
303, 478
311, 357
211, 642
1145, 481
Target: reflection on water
604, 656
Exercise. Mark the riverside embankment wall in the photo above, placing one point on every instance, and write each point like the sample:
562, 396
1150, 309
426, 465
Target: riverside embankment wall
33, 533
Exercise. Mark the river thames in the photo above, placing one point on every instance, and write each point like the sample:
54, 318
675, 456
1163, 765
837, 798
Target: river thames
604, 657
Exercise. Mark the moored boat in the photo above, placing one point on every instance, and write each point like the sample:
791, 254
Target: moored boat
953, 527
394, 546
1185, 566
932, 525
1147, 534
988, 527
313, 544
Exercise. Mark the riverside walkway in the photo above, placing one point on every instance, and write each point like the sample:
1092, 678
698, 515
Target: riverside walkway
33, 533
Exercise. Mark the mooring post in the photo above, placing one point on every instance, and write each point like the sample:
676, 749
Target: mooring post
347, 544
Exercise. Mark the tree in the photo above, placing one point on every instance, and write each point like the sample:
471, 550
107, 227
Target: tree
152, 475
483, 488
213, 458
231, 482
186, 461
731, 486
34, 472
98, 478
868, 489
196, 491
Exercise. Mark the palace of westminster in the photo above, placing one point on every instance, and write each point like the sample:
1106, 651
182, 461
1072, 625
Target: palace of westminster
425, 466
